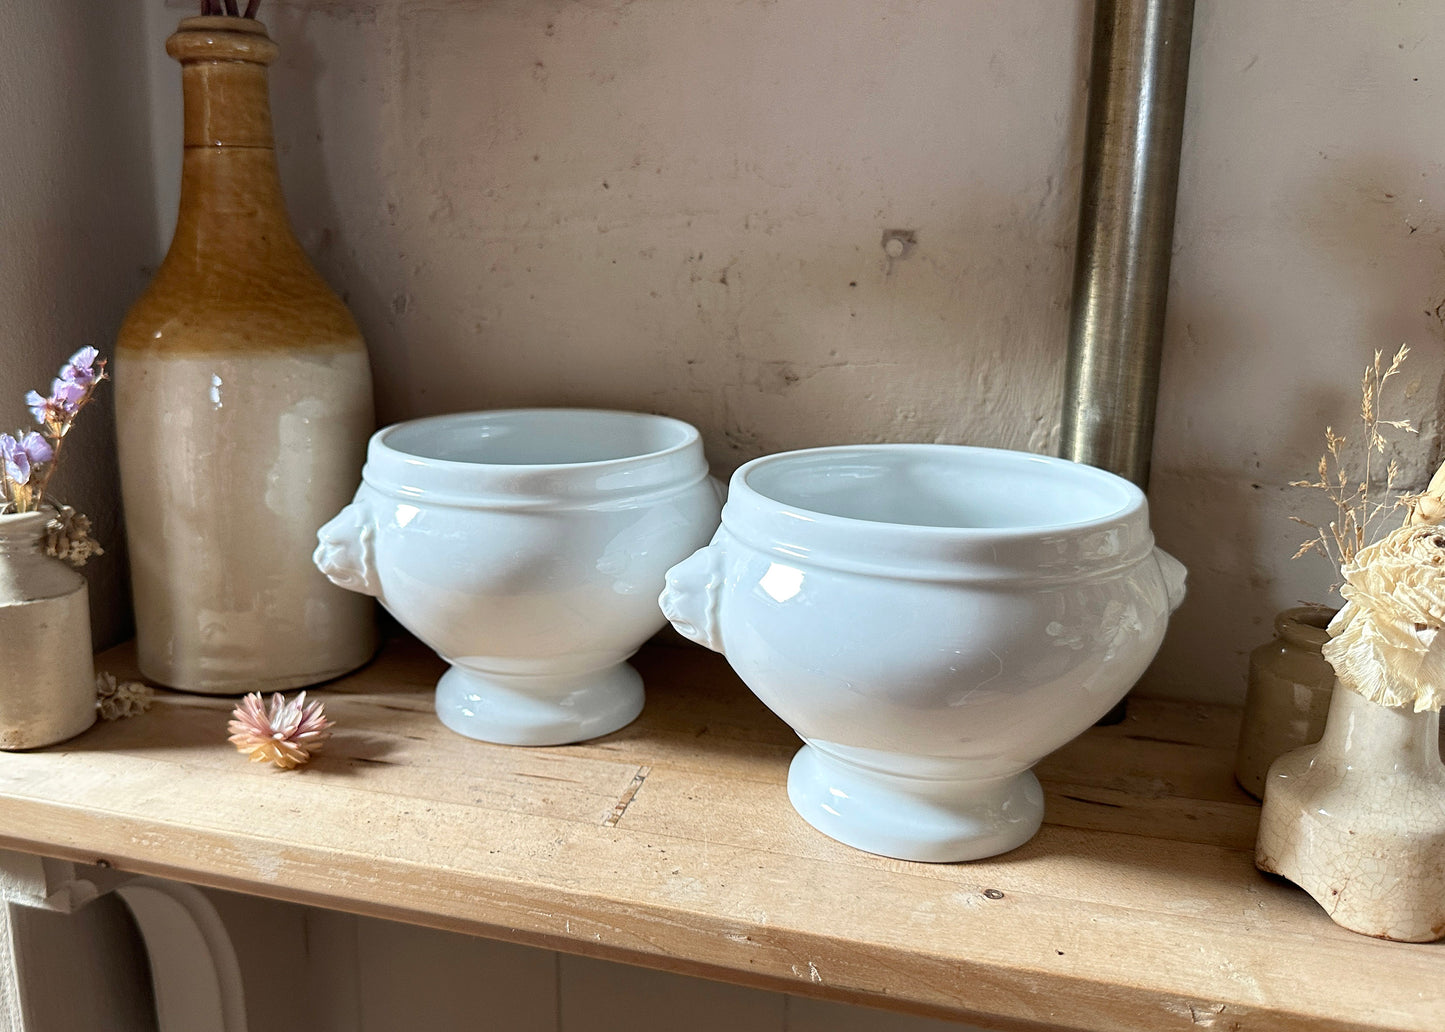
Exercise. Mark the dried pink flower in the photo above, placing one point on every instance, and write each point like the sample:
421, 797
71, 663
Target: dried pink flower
286, 735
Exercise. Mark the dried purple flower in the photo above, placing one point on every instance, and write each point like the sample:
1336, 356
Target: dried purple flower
81, 367
17, 462
29, 458
66, 396
39, 407
23, 454
58, 409
37, 448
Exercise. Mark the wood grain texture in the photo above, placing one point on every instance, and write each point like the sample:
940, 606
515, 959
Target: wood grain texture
671, 844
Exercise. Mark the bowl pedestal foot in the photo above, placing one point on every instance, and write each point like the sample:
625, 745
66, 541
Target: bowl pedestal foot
936, 819
538, 708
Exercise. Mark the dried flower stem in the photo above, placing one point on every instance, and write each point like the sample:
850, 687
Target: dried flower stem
212, 8
55, 445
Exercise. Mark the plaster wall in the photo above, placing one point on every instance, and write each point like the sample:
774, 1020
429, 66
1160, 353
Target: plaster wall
683, 207
1309, 232
76, 238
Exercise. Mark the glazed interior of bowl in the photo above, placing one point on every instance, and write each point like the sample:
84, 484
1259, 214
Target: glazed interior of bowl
943, 486
538, 437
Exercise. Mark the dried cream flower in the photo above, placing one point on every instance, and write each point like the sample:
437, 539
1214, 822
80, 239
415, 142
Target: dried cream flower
1429, 505
67, 536
117, 700
1426, 508
288, 735
1386, 643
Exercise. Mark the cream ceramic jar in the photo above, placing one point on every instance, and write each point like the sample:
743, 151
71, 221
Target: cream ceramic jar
931, 620
243, 407
527, 548
47, 693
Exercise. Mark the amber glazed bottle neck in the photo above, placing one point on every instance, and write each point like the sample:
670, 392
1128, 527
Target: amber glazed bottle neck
233, 251
228, 171
223, 79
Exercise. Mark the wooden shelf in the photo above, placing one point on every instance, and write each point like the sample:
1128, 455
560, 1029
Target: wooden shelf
671, 844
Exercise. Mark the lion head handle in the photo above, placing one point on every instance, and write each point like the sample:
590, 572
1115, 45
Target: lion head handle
1175, 575
345, 553
690, 601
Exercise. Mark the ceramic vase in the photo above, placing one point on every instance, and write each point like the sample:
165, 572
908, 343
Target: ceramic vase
243, 405
47, 680
1289, 694
1358, 820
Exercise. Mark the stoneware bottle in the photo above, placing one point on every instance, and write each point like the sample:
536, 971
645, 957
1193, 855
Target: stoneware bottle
47, 680
243, 406
1358, 820
1289, 694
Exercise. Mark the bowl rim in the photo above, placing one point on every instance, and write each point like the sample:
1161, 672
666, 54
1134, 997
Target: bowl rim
380, 440
1059, 552
1135, 498
623, 481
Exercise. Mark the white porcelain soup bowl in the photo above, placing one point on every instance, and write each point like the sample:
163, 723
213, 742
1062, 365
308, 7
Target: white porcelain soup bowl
526, 547
932, 620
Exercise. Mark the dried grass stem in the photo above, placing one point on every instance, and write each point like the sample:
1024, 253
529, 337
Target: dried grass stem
1357, 511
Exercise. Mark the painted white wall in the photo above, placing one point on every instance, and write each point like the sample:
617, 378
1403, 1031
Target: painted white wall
77, 237
76, 972
309, 970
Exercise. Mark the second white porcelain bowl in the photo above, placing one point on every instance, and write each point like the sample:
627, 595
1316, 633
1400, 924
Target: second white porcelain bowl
527, 547
932, 620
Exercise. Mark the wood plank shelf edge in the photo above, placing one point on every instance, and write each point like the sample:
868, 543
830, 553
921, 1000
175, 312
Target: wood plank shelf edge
671, 844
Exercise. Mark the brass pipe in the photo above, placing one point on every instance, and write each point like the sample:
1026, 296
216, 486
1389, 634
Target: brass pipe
1137, 82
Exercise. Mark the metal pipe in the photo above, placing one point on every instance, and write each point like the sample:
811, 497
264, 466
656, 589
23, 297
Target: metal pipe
1137, 81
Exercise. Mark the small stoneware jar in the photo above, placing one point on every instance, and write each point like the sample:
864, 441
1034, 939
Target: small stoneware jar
1288, 698
526, 547
1357, 819
47, 678
931, 620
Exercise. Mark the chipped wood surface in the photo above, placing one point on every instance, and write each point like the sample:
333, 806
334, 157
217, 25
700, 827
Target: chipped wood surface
671, 844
